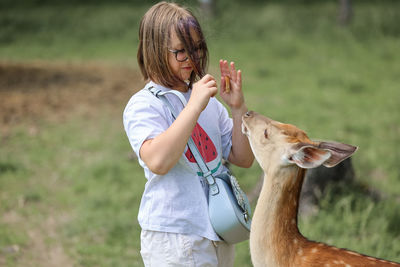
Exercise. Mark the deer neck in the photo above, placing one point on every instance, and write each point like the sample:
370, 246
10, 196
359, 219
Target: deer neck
274, 225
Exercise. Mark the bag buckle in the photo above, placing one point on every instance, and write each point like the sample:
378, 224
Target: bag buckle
214, 190
209, 177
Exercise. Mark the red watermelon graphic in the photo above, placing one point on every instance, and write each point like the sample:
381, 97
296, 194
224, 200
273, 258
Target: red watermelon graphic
204, 144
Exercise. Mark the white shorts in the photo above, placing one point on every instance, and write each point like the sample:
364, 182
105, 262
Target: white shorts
160, 249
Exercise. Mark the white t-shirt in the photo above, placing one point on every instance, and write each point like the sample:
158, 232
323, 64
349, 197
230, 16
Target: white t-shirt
176, 202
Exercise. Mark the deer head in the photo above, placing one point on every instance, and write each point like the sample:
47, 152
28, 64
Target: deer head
287, 145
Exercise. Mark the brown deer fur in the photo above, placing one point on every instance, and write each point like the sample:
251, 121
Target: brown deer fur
284, 152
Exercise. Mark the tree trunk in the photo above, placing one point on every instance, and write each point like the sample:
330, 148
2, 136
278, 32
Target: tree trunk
345, 12
207, 7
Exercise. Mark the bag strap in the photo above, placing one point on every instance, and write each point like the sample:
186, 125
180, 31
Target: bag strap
161, 95
207, 174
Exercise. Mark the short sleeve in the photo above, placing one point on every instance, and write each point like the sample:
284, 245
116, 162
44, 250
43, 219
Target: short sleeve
144, 118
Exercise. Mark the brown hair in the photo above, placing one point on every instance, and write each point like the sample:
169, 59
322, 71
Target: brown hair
154, 32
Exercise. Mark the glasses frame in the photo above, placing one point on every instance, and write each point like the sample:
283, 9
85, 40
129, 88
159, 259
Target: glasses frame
198, 50
176, 51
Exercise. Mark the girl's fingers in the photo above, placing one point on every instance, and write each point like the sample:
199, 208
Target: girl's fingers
239, 78
234, 73
212, 83
212, 87
232, 69
207, 78
229, 70
221, 66
224, 67
224, 73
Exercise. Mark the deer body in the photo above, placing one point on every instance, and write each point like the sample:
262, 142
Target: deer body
284, 152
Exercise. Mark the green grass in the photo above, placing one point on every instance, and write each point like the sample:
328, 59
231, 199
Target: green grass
66, 172
298, 66
371, 227
70, 32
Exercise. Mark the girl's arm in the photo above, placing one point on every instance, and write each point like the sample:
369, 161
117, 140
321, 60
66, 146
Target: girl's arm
241, 153
163, 152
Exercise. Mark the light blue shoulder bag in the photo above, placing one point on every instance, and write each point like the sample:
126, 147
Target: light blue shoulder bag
228, 206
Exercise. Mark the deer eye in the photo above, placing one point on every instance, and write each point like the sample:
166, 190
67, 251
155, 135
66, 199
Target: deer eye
266, 133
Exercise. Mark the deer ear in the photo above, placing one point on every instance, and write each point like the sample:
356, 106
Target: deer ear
339, 152
308, 156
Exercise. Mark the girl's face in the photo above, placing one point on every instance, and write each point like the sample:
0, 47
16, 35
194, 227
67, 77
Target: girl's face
176, 53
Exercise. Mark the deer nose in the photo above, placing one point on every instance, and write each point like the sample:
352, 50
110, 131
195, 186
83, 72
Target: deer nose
248, 114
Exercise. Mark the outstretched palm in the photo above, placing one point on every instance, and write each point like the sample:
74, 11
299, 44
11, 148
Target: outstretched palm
234, 97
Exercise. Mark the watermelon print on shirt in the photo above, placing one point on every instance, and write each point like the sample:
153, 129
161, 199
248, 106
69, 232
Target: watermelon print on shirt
204, 144
206, 149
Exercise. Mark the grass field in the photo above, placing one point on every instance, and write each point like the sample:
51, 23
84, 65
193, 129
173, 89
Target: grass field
69, 186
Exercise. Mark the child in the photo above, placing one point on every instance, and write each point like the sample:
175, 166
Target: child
173, 214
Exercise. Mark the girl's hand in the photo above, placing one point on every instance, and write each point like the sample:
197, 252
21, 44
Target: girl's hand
240, 154
234, 98
202, 91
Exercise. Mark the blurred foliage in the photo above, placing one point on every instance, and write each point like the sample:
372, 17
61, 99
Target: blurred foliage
218, 3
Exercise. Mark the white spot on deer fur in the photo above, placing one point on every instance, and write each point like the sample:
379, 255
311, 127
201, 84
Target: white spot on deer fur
300, 252
347, 265
314, 250
327, 265
353, 253
293, 221
335, 262
295, 241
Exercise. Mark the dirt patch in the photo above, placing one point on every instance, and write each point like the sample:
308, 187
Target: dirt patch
37, 91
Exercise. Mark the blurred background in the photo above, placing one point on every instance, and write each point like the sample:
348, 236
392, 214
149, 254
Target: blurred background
70, 185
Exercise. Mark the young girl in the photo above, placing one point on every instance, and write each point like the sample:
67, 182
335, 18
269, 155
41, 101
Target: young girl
173, 214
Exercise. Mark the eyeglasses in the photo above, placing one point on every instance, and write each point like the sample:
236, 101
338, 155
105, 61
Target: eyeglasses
181, 54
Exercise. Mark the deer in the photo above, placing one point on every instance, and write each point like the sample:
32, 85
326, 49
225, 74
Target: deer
285, 152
